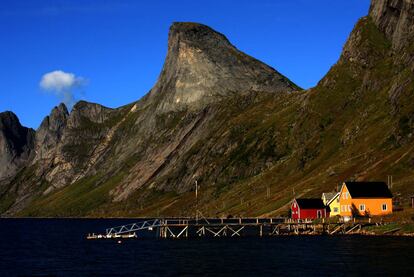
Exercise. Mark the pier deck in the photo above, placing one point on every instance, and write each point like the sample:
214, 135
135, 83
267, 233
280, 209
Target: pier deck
229, 227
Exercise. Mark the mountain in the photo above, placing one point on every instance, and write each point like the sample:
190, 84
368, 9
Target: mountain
16, 144
250, 137
203, 67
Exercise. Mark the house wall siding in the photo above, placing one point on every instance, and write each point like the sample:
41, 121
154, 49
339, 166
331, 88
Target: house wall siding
372, 205
333, 205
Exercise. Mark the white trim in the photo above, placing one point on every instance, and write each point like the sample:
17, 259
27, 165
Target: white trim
341, 190
333, 198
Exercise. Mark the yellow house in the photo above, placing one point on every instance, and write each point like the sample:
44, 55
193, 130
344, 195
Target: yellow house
365, 198
331, 199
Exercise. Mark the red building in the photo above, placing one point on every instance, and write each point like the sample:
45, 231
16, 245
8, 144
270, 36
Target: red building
308, 209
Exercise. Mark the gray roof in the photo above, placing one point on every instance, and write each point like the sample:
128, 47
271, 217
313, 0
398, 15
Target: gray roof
329, 195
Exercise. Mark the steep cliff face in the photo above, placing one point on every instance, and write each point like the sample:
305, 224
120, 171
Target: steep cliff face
203, 67
50, 133
395, 18
16, 144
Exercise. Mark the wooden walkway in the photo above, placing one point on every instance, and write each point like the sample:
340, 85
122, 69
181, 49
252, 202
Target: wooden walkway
231, 227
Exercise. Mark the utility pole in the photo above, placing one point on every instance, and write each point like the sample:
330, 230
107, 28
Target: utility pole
389, 181
196, 195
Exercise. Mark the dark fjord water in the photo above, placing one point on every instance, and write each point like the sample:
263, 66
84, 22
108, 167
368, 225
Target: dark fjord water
52, 247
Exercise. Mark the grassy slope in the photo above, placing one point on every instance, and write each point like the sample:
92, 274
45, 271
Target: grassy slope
344, 131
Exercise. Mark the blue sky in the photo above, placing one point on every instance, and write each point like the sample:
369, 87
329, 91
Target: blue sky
117, 47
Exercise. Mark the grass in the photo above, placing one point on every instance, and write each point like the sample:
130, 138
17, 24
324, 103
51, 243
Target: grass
7, 201
77, 199
399, 228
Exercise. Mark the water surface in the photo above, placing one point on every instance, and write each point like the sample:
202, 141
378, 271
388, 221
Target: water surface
57, 247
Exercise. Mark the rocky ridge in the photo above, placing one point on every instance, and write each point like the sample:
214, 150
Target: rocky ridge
16, 144
395, 18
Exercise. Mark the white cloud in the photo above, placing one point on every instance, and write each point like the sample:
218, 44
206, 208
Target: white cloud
63, 85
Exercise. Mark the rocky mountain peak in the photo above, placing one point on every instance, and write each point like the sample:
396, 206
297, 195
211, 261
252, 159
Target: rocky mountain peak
16, 144
50, 131
196, 35
7, 119
56, 119
202, 67
396, 19
85, 110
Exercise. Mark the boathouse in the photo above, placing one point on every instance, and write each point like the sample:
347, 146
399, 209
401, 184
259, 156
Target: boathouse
308, 208
331, 199
365, 199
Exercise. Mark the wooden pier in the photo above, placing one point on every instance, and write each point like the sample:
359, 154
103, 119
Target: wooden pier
230, 227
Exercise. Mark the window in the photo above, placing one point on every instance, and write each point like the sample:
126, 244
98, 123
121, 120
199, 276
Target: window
384, 207
349, 208
337, 200
362, 207
335, 209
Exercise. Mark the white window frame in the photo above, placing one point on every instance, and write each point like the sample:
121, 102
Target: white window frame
335, 209
386, 207
362, 207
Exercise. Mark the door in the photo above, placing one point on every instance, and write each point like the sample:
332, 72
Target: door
319, 213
